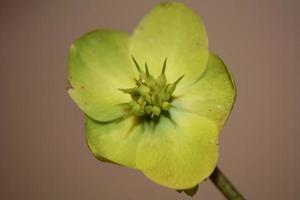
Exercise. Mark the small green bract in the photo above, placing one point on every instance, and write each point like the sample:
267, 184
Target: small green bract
155, 100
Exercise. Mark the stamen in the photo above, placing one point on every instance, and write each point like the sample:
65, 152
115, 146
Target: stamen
155, 111
165, 105
148, 109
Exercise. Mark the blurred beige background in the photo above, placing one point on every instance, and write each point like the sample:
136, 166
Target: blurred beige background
42, 144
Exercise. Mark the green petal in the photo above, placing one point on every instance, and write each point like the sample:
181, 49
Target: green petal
212, 96
98, 64
180, 153
177, 154
172, 31
115, 141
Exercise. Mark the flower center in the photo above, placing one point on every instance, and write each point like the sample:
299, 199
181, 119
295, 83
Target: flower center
151, 96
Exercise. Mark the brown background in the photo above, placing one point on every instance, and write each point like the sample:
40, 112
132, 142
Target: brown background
42, 145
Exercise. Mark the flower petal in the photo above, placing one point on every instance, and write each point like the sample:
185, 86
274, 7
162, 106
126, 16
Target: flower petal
177, 154
212, 96
98, 64
115, 141
180, 153
172, 31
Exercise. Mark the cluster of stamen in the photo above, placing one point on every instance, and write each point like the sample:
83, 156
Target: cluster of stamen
151, 96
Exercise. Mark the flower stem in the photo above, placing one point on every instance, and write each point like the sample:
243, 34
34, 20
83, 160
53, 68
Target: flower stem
225, 186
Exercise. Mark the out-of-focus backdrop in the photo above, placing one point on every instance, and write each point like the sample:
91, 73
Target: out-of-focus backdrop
42, 142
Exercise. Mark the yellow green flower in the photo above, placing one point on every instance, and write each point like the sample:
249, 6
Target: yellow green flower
155, 100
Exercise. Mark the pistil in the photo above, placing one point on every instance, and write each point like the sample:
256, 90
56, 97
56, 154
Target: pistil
150, 96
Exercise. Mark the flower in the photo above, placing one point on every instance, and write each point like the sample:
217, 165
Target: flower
154, 101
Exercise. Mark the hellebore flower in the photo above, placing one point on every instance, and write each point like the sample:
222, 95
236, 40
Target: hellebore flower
154, 101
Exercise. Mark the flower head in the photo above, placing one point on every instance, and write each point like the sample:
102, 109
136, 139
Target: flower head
155, 101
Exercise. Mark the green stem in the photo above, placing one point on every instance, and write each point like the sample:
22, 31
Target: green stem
225, 186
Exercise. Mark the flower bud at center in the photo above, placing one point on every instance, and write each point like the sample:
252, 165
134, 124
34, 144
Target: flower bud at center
150, 96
